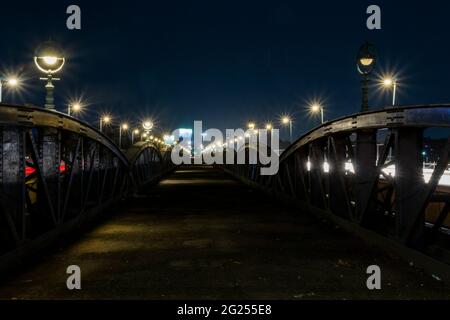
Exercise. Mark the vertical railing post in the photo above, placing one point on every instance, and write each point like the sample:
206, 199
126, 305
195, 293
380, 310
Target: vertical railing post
338, 192
365, 170
12, 184
409, 183
318, 197
50, 164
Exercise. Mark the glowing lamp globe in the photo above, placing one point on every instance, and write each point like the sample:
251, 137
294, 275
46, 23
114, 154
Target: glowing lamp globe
147, 125
49, 58
366, 59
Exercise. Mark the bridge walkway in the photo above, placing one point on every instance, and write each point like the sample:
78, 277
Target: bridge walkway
199, 234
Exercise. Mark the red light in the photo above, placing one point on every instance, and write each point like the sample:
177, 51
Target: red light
29, 170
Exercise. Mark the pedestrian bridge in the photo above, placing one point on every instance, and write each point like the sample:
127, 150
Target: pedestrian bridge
140, 227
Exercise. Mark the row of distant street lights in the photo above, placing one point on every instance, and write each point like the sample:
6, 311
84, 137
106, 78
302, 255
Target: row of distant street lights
50, 60
144, 132
288, 121
106, 120
366, 61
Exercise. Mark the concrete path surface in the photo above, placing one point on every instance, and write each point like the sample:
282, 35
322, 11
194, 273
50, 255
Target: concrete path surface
201, 235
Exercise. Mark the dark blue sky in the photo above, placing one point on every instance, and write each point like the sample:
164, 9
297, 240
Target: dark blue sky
225, 62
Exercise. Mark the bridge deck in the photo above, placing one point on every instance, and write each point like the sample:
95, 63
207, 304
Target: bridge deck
199, 234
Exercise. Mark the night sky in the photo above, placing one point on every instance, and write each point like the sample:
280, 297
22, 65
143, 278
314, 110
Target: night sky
225, 62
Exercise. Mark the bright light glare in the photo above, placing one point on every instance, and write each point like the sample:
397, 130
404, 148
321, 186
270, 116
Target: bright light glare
147, 125
286, 120
268, 126
106, 119
315, 108
136, 131
50, 60
387, 82
349, 167
427, 173
390, 171
76, 107
125, 126
251, 125
13, 82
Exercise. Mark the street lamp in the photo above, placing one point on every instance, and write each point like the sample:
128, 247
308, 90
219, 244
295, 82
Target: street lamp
134, 133
123, 127
147, 125
74, 108
316, 108
391, 83
104, 120
11, 82
365, 63
288, 121
269, 126
252, 127
49, 60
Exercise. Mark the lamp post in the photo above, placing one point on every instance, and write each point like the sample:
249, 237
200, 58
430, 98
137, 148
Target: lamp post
365, 63
133, 133
49, 60
123, 127
104, 120
75, 108
286, 121
316, 108
147, 125
390, 82
12, 82
252, 126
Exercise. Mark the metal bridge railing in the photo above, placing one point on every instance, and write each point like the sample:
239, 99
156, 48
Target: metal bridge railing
56, 171
336, 168
148, 162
